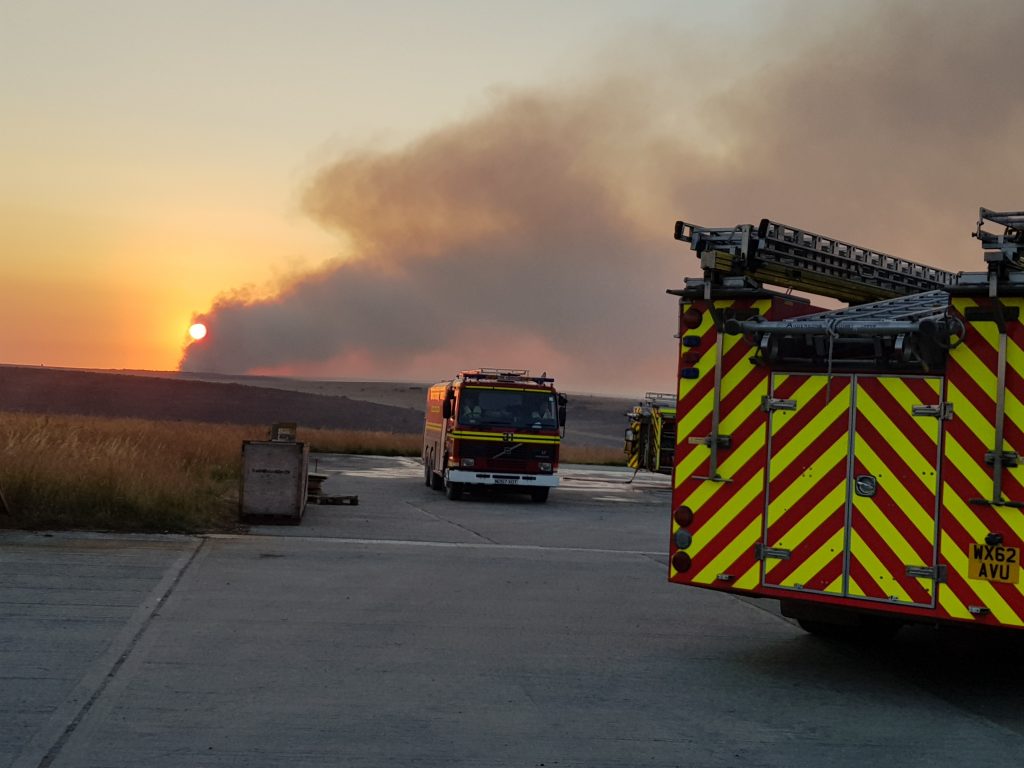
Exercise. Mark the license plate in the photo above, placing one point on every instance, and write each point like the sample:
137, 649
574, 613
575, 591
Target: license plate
505, 481
993, 562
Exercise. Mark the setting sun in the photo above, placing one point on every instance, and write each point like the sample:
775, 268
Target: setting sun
197, 331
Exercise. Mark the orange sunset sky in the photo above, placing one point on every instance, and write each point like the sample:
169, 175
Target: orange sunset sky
398, 190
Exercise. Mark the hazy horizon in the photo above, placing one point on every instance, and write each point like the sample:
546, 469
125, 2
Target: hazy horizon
337, 196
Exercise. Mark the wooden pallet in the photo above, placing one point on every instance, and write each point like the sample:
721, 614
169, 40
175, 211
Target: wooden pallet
353, 500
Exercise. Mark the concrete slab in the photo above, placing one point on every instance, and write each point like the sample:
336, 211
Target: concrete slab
71, 605
490, 632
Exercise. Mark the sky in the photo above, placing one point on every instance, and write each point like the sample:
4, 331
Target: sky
398, 190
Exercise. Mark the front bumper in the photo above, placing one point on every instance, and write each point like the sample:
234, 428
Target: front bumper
502, 478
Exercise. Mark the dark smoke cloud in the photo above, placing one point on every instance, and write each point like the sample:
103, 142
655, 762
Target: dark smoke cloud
538, 233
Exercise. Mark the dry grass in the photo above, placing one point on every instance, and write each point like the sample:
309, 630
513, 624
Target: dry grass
362, 443
123, 474
388, 444
612, 457
137, 475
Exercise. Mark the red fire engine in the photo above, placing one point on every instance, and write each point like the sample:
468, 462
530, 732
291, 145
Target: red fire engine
493, 427
861, 465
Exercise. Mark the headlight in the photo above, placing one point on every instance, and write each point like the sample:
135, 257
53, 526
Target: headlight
544, 466
467, 462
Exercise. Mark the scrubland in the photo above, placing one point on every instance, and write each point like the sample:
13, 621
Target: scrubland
139, 475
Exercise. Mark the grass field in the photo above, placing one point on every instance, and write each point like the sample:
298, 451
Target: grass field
137, 475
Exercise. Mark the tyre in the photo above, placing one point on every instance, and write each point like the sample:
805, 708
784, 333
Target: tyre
436, 480
453, 491
837, 623
539, 495
427, 471
871, 630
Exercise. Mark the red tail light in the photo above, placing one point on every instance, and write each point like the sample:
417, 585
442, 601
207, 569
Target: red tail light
683, 516
681, 562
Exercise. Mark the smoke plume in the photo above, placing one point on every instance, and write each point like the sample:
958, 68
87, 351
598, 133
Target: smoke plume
537, 233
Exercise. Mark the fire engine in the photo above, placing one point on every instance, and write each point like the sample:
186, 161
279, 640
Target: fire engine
493, 427
862, 465
651, 434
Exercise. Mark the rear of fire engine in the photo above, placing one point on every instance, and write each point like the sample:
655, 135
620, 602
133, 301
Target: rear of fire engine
493, 427
862, 465
651, 434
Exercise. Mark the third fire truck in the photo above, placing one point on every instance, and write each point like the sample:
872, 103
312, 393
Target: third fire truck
493, 427
863, 465
651, 434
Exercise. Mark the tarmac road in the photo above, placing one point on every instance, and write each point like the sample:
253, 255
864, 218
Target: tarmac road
412, 630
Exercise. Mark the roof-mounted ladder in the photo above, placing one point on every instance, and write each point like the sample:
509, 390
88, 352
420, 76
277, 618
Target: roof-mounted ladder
518, 375
1003, 253
907, 332
788, 257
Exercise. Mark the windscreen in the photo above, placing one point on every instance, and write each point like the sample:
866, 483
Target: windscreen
507, 408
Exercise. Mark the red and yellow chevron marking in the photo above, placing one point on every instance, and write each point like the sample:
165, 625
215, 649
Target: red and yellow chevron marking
807, 483
967, 478
895, 528
728, 513
862, 552
842, 546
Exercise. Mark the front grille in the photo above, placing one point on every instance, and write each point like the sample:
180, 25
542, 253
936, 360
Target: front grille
522, 458
506, 465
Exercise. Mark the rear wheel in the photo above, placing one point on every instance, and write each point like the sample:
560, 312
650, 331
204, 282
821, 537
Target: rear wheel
436, 480
427, 471
840, 623
865, 631
539, 495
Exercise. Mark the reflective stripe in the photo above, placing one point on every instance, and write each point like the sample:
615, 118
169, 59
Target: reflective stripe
499, 437
509, 389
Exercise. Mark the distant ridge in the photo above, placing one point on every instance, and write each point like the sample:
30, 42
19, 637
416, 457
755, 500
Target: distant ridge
165, 398
384, 406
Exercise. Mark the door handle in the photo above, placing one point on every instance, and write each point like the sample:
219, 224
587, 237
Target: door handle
865, 485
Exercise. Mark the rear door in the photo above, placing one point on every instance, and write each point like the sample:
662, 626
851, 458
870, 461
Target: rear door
852, 486
894, 487
808, 457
